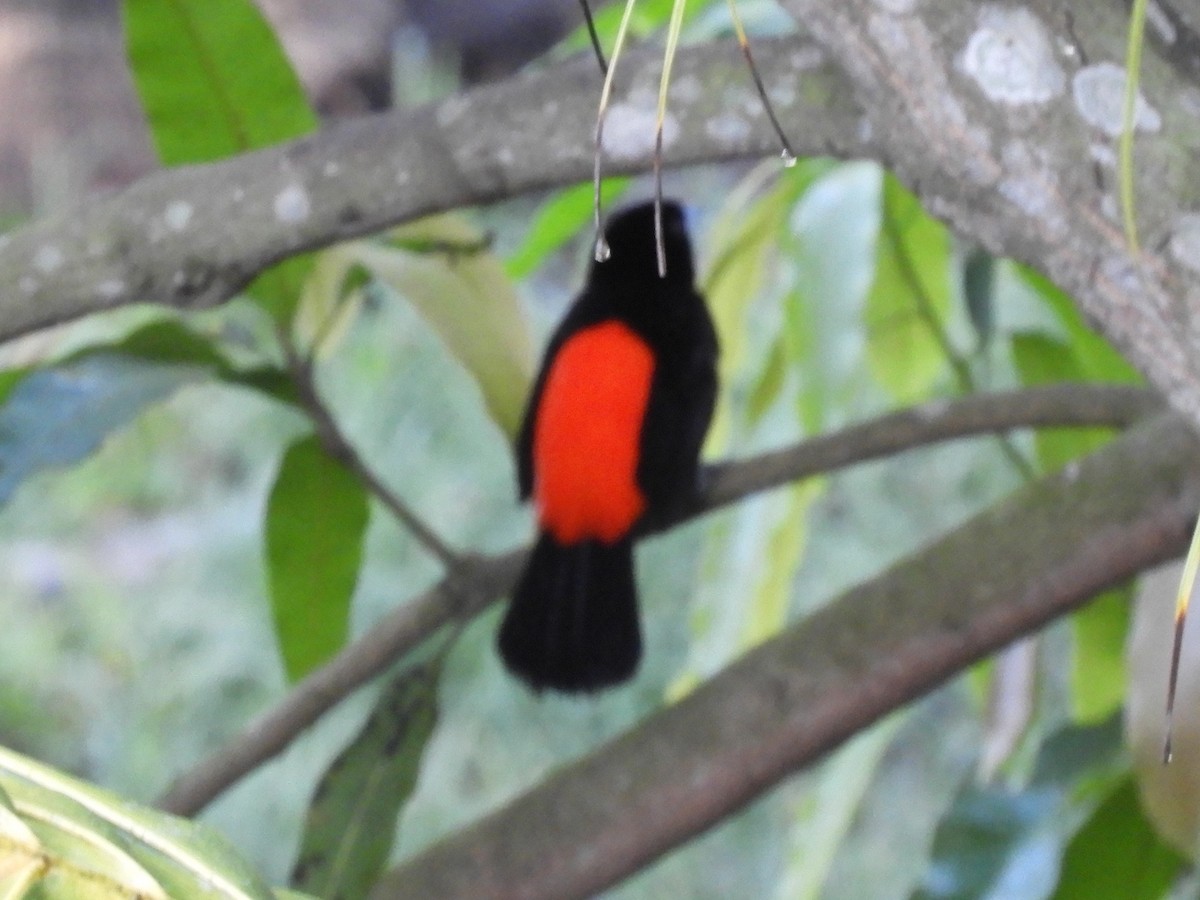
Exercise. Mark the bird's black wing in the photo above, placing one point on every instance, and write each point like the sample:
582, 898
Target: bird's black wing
682, 397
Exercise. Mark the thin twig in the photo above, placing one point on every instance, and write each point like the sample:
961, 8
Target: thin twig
594, 35
788, 155
339, 447
477, 581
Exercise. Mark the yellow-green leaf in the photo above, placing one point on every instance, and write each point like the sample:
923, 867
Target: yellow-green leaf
909, 297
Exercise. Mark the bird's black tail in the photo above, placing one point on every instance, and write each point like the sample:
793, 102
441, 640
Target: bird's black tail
572, 625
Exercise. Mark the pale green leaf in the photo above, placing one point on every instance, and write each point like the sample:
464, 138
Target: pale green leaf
820, 827
767, 612
22, 856
19, 871
316, 519
744, 244
468, 301
84, 851
769, 384
801, 340
185, 859
909, 300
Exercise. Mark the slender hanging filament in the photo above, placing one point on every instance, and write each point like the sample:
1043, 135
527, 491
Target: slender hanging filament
787, 154
602, 250
673, 29
591, 27
1186, 583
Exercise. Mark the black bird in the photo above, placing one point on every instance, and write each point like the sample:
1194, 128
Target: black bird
611, 438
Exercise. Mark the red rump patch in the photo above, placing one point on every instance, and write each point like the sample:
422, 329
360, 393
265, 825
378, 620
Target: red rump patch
587, 434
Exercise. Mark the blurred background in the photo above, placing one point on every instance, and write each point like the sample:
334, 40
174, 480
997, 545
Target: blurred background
70, 121
132, 584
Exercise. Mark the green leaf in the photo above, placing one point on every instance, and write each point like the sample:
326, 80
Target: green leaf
1041, 359
85, 829
909, 299
9, 380
979, 293
214, 81
266, 380
1099, 674
467, 300
560, 218
1118, 855
171, 341
212, 78
278, 290
990, 825
1096, 358
166, 341
349, 829
316, 519
56, 417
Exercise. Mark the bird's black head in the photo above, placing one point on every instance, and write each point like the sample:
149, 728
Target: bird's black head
633, 250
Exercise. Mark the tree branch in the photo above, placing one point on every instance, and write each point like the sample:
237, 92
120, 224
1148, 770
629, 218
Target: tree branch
990, 113
195, 235
793, 699
478, 581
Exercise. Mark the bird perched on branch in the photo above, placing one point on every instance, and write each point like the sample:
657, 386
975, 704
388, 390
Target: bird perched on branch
611, 438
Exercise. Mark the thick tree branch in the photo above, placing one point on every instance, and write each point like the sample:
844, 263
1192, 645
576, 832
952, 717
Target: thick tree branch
194, 236
790, 701
1004, 118
479, 581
